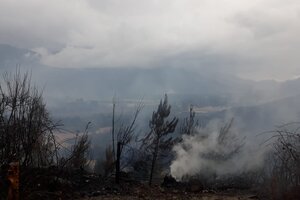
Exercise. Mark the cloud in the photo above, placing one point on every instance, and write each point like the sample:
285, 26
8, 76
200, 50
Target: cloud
252, 38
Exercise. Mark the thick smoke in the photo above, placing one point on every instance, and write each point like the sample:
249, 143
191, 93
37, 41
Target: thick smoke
216, 149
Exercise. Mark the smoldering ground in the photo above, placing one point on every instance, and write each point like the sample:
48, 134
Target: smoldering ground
216, 149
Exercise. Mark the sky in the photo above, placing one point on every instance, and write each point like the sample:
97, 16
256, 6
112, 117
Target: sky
254, 39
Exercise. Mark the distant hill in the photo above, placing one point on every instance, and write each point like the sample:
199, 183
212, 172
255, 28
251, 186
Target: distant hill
88, 91
184, 83
264, 117
270, 114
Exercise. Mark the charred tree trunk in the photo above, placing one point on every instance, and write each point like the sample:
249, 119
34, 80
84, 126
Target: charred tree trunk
155, 154
118, 163
113, 129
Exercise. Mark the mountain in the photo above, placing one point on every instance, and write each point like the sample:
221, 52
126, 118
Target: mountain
270, 114
87, 92
259, 118
99, 83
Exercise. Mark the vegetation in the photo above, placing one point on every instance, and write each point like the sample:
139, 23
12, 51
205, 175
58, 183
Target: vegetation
28, 137
159, 139
26, 129
189, 124
282, 173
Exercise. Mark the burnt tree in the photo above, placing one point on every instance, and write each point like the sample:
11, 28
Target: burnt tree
159, 138
125, 135
189, 124
26, 129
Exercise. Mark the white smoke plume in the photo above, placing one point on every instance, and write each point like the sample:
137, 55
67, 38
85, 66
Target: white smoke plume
215, 149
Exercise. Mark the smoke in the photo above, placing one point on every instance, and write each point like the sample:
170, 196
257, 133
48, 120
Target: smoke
216, 149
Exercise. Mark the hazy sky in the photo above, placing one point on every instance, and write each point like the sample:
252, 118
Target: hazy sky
257, 39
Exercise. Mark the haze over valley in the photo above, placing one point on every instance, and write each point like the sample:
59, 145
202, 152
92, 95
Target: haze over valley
190, 98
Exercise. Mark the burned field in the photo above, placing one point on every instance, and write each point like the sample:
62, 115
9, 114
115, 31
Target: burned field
173, 159
48, 184
52, 183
